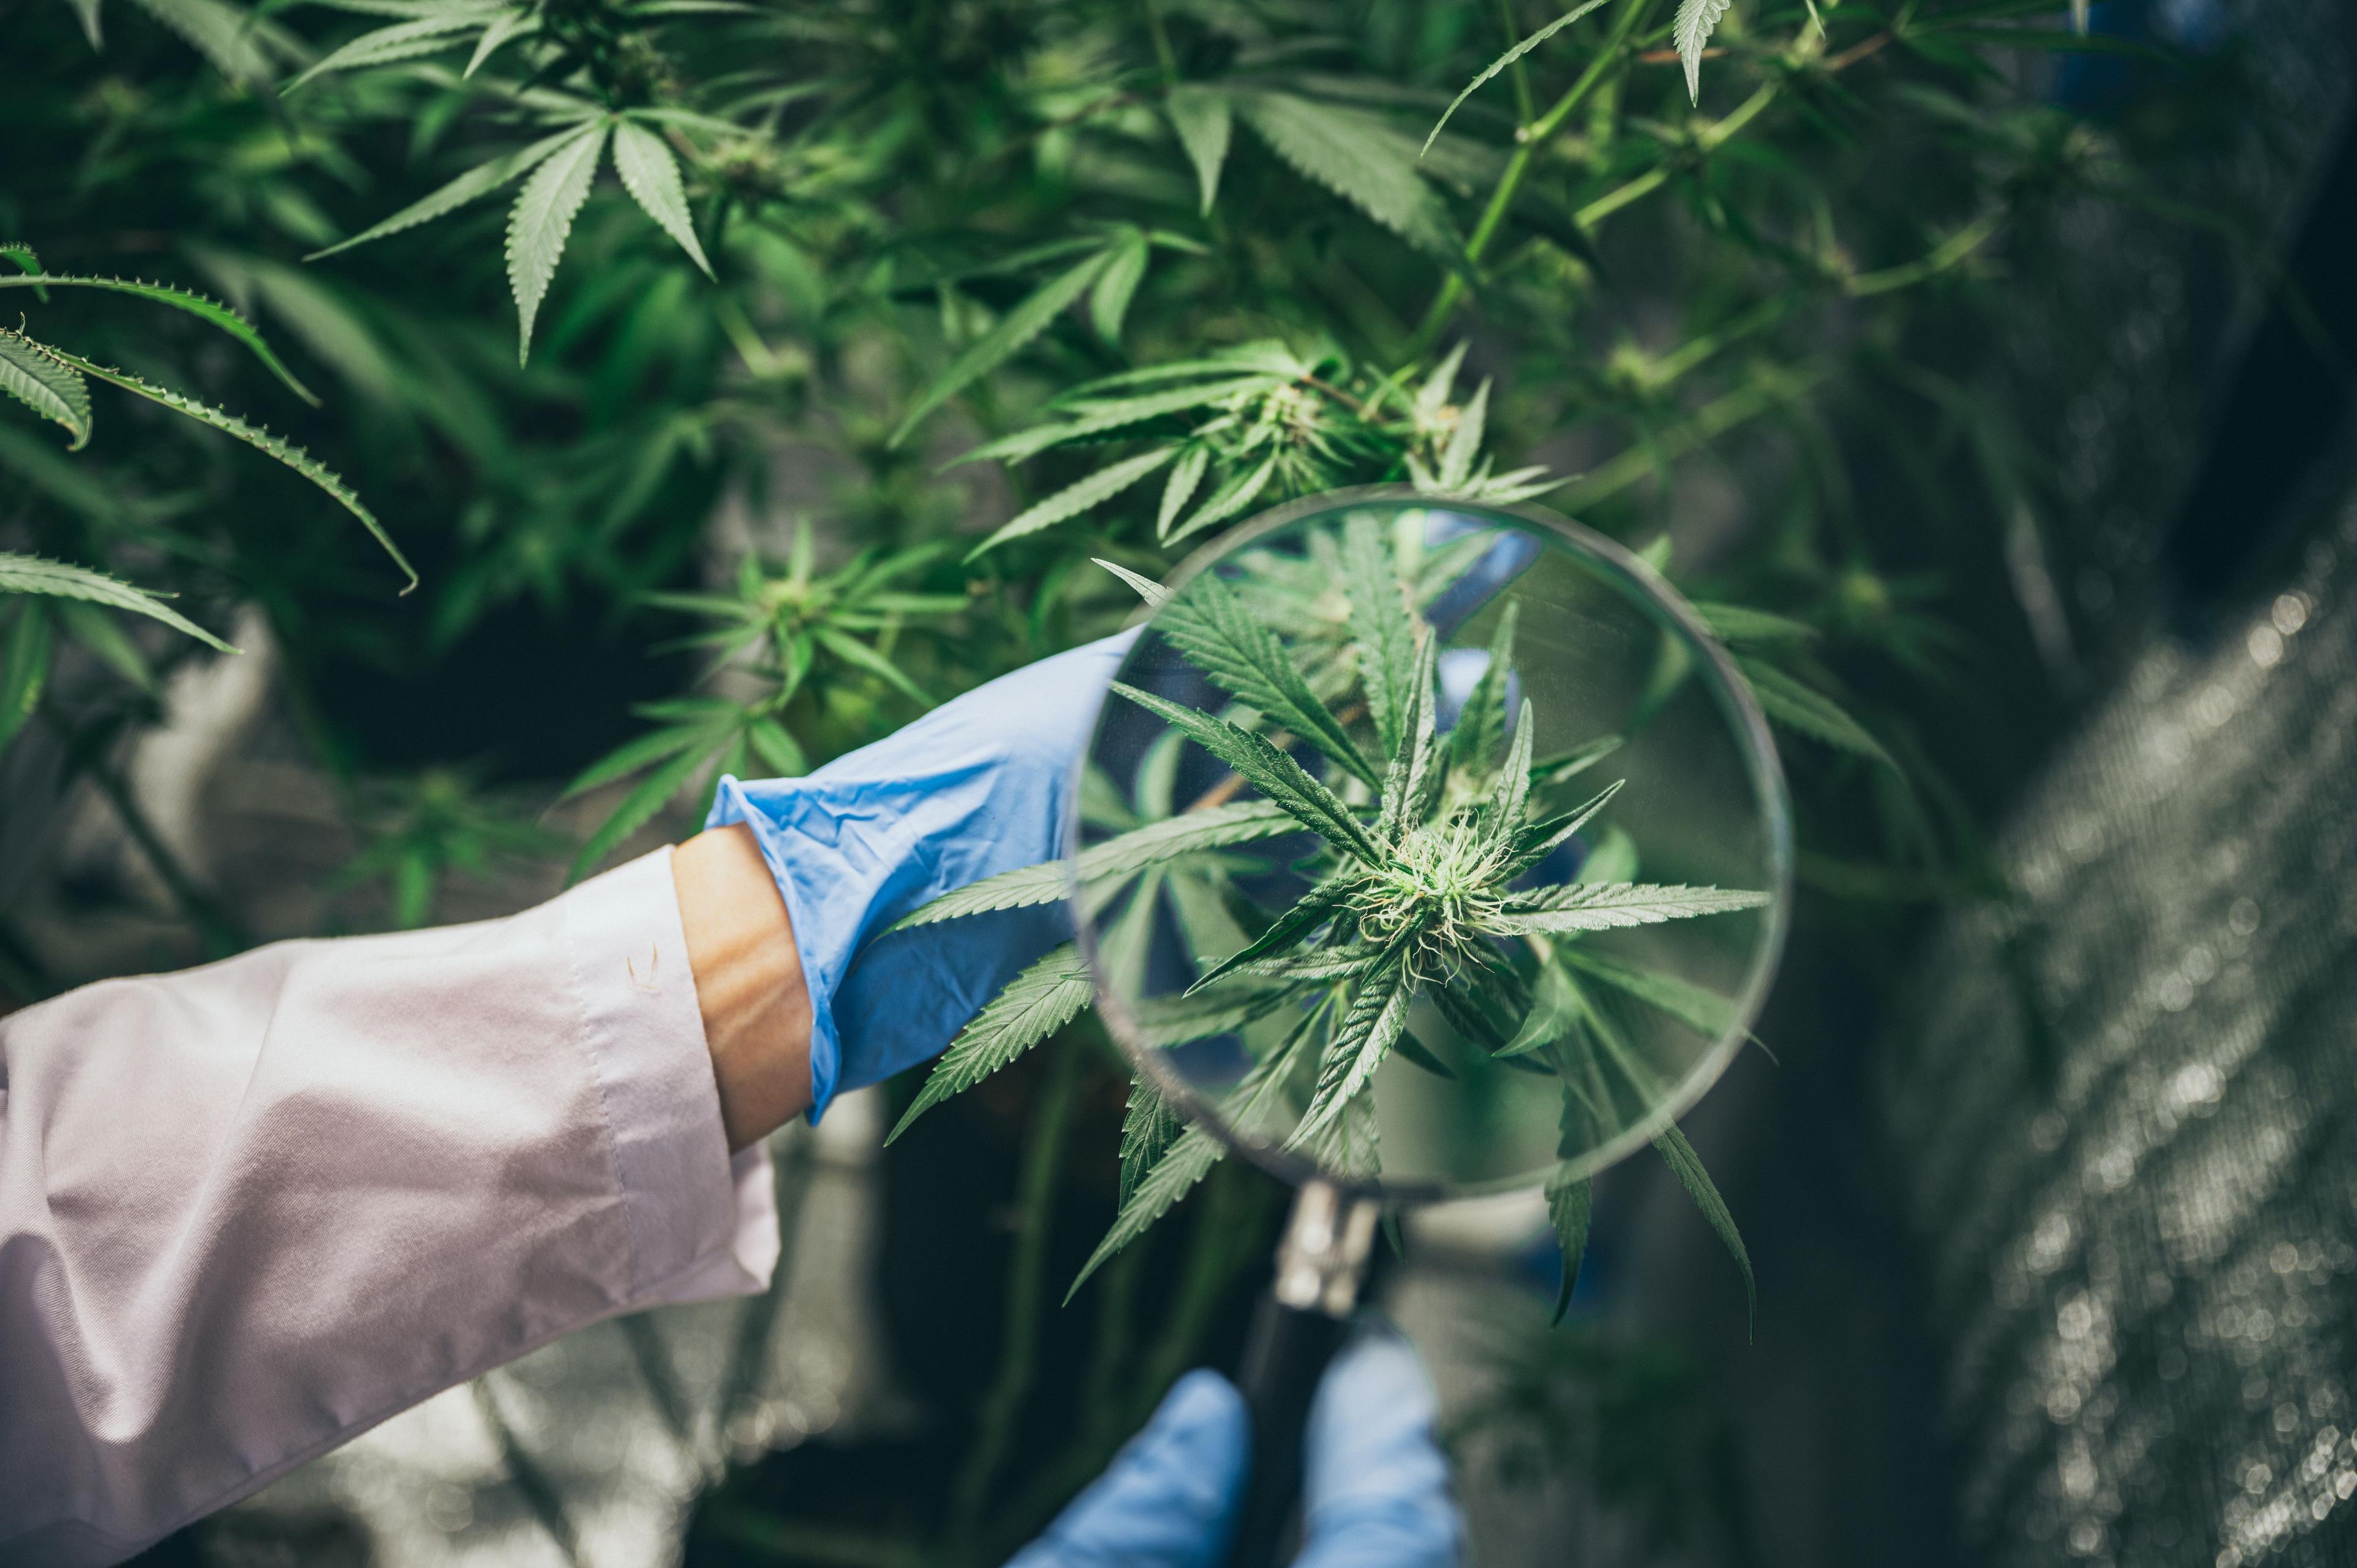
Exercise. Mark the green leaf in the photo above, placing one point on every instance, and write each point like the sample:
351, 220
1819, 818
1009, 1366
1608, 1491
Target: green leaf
262, 441
103, 636
1511, 800
1099, 415
403, 41
1696, 21
1563, 766
1163, 1021
1365, 1036
1147, 588
1464, 442
1608, 905
1788, 702
1569, 1206
541, 220
1149, 1128
639, 807
858, 655
1481, 722
504, 29
1271, 771
51, 388
651, 175
1686, 1166
1014, 330
1082, 496
1554, 1011
1034, 1005
86, 13
225, 35
1204, 123
1539, 840
1189, 833
478, 181
1312, 910
31, 575
19, 255
1208, 623
1180, 487
211, 311
1412, 785
1705, 1012
1356, 155
1238, 493
1117, 286
647, 749
1188, 1161
1380, 628
1491, 69
1416, 1051
24, 669
1734, 623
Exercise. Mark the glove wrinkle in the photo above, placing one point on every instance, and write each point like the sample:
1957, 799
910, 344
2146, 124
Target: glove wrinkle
981, 785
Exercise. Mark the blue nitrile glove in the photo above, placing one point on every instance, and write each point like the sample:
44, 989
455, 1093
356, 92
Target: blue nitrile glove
980, 784
1374, 1485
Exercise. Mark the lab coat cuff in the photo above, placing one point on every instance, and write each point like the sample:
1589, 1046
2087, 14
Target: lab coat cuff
701, 1223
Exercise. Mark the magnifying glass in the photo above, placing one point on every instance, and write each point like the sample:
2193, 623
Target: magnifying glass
1438, 851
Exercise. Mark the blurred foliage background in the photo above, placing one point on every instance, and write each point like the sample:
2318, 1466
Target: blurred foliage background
676, 316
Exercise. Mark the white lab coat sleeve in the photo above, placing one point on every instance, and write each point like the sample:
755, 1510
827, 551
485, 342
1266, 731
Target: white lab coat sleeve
250, 1210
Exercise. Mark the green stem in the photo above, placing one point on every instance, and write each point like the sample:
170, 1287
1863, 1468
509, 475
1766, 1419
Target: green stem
1954, 250
220, 934
1711, 420
1706, 140
1510, 183
1102, 1406
1163, 54
1230, 1228
1018, 1354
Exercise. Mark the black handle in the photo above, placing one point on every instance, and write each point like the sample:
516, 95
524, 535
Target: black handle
1284, 1358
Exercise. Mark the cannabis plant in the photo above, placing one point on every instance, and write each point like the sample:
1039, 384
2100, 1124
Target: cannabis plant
1425, 886
54, 383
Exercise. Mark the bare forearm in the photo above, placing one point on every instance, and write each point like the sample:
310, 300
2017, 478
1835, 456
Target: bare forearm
748, 982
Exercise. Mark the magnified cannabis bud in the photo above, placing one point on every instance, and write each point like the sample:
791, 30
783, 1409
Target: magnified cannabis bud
1424, 882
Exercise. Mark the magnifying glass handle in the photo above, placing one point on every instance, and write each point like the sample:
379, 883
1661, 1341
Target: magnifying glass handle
1295, 1330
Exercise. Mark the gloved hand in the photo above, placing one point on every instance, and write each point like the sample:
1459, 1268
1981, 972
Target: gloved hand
980, 784
1374, 1485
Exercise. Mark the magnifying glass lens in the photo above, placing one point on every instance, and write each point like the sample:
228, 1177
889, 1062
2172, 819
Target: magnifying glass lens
1433, 849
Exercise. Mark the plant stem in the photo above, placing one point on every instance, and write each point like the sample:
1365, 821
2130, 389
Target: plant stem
1103, 1407
1018, 1354
221, 935
1231, 1227
1510, 183
1713, 419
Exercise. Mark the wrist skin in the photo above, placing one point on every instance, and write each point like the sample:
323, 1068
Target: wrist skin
748, 982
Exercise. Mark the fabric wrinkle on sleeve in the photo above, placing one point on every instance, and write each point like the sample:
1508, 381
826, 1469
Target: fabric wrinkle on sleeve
249, 1210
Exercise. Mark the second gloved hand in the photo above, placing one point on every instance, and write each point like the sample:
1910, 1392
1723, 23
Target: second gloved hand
981, 785
1374, 1485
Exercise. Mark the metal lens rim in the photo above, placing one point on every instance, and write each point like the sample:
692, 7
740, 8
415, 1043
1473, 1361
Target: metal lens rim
1643, 586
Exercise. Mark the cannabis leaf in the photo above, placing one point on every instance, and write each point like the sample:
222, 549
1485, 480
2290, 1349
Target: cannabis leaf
45, 384
541, 220
1501, 63
651, 174
1354, 154
31, 575
1034, 1004
1219, 637
1204, 123
1015, 330
1696, 21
